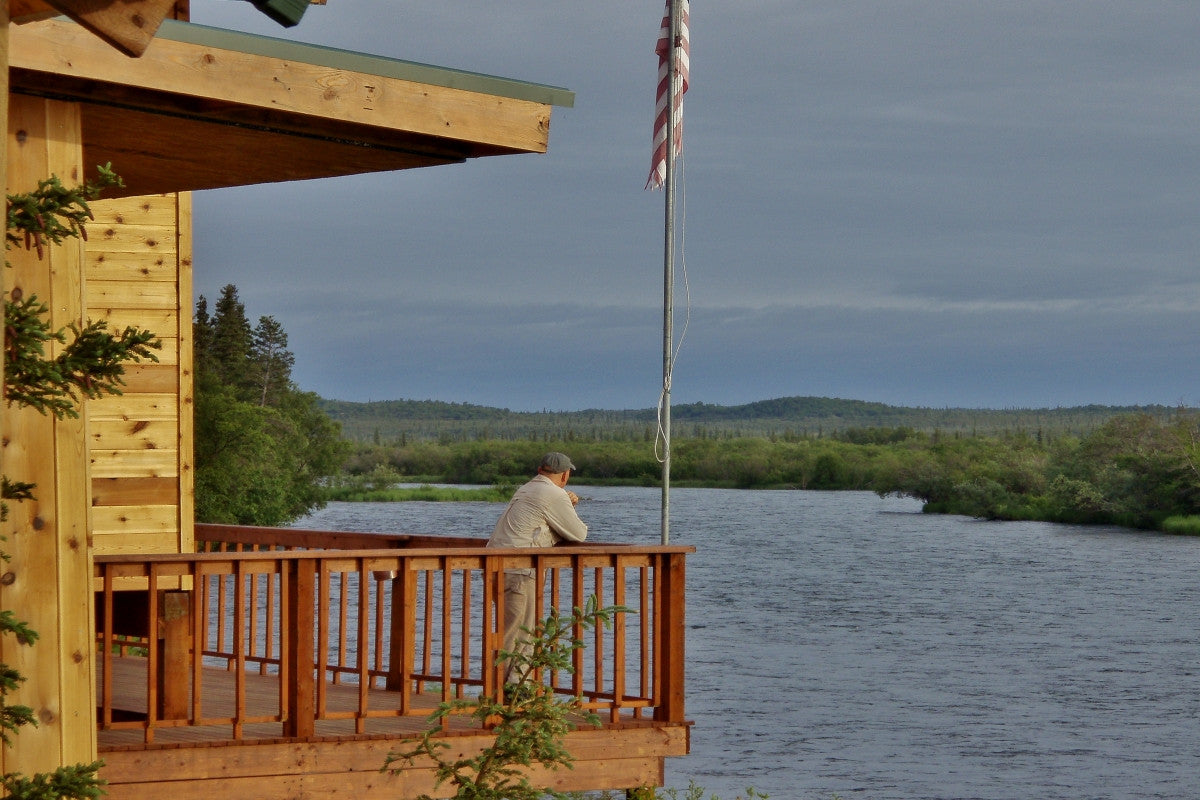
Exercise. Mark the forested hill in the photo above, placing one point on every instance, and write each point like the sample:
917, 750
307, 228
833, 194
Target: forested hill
413, 420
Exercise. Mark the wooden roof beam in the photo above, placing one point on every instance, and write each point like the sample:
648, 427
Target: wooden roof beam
128, 25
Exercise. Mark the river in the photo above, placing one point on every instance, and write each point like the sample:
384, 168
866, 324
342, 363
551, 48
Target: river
845, 644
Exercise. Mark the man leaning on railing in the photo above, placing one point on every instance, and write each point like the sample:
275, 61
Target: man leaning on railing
540, 514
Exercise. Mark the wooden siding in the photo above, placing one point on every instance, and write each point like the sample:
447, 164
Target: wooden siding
138, 272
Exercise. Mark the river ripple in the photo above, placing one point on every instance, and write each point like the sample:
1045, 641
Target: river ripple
843, 643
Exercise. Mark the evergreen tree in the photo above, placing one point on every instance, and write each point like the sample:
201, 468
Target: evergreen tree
272, 362
263, 447
202, 335
231, 343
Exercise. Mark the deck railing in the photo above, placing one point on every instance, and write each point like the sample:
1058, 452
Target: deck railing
379, 631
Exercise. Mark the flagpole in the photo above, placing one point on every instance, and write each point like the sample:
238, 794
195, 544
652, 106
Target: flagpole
669, 270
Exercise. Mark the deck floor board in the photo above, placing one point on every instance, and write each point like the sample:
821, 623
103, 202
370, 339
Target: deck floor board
218, 702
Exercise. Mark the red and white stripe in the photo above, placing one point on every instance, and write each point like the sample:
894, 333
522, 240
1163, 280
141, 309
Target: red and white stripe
658, 164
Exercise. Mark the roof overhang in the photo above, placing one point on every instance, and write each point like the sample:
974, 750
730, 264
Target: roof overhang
206, 108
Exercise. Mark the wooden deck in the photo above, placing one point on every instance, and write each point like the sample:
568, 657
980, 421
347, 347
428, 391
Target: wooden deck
282, 670
192, 762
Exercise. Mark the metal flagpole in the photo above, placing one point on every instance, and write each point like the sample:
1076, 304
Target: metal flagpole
669, 270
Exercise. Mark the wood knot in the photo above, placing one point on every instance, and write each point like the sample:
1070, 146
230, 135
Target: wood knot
46, 716
77, 657
8, 578
38, 523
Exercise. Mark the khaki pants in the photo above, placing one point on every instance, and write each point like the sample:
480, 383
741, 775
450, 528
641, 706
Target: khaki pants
520, 610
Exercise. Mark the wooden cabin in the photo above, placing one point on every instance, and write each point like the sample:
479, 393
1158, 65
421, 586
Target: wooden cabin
266, 663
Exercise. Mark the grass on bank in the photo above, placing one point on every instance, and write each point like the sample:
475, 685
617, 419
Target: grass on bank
356, 494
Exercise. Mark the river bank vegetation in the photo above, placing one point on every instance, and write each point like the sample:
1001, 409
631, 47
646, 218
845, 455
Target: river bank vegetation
267, 452
1136, 470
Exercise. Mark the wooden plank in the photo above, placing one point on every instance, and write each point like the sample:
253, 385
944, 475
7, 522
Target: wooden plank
105, 265
134, 491
159, 321
152, 378
128, 26
134, 463
110, 434
137, 294
156, 210
131, 238
132, 407
135, 544
110, 520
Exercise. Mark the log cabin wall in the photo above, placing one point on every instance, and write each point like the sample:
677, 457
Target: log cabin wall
138, 272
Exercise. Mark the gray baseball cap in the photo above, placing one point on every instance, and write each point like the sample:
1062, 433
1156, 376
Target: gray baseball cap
556, 462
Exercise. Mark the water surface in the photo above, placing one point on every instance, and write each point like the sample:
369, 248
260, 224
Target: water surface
843, 643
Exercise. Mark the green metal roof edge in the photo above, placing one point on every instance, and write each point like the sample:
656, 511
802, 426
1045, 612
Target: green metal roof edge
203, 35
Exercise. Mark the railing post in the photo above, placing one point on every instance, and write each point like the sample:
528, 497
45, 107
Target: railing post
670, 585
174, 643
301, 603
402, 650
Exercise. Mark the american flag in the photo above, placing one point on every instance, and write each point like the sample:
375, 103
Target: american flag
658, 164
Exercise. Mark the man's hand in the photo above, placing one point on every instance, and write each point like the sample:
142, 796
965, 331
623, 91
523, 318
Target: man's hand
574, 498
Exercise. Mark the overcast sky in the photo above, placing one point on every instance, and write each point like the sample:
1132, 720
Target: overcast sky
922, 203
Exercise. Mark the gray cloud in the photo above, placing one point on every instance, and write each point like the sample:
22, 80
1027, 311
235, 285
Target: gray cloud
941, 203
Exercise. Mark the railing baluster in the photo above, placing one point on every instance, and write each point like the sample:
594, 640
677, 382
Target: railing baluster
447, 632
577, 601
343, 611
380, 625
645, 620
493, 598
107, 647
618, 640
362, 662
199, 636
323, 634
239, 651
598, 635
465, 634
427, 633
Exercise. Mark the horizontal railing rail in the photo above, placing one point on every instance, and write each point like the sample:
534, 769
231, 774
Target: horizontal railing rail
356, 635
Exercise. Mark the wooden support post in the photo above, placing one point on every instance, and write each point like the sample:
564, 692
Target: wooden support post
402, 650
301, 615
174, 651
670, 654
48, 577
